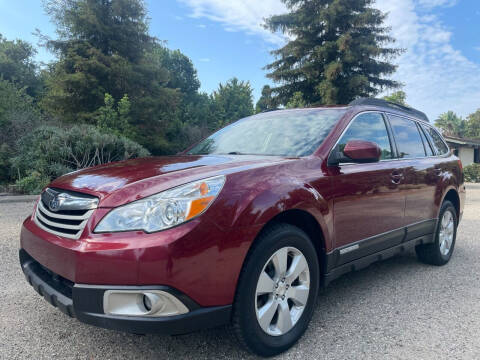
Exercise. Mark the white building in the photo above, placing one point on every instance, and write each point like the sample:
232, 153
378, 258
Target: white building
468, 150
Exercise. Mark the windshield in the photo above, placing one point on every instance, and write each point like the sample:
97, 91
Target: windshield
284, 133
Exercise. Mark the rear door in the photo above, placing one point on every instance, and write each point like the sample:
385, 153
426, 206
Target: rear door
368, 204
417, 162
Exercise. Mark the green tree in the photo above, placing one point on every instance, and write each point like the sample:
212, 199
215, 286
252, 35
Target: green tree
397, 97
17, 65
296, 101
115, 119
18, 117
192, 118
451, 124
266, 101
182, 74
338, 51
473, 125
232, 101
103, 46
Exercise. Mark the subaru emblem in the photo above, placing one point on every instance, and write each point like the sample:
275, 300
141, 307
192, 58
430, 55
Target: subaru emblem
54, 204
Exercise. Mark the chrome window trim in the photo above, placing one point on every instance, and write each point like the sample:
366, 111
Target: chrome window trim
421, 122
427, 124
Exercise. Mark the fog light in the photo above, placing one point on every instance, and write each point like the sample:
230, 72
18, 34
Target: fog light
152, 303
147, 303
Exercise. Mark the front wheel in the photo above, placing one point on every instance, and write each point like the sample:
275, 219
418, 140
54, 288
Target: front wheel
277, 291
440, 252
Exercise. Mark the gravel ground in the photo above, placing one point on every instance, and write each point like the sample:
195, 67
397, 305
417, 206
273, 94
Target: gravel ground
395, 309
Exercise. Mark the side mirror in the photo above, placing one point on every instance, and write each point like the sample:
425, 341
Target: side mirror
357, 151
362, 151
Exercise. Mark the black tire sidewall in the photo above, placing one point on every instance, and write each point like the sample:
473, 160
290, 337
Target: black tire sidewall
254, 336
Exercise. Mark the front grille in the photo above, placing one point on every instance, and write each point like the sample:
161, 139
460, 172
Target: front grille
67, 223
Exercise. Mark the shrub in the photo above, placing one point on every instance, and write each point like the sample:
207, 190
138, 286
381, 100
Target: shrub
5, 155
32, 183
472, 173
53, 151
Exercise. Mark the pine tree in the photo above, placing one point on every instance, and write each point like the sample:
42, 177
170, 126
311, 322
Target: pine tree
338, 51
103, 46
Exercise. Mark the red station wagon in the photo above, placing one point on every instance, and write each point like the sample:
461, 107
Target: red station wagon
245, 226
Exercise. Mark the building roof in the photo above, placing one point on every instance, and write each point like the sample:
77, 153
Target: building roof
462, 141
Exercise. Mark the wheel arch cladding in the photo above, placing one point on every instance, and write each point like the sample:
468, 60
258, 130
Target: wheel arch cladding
306, 222
453, 197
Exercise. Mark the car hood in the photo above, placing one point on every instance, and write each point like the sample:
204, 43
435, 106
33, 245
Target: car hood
121, 182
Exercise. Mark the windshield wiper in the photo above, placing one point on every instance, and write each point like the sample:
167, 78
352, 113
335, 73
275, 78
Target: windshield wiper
236, 153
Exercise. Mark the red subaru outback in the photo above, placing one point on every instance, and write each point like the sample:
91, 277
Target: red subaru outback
245, 226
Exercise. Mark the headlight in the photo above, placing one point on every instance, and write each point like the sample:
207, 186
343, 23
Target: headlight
163, 210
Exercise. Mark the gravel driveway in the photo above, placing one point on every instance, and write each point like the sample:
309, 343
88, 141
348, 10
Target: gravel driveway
395, 309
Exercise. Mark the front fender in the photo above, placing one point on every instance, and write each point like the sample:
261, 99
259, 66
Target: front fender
256, 206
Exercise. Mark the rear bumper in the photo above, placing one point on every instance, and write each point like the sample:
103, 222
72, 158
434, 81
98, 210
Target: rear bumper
85, 302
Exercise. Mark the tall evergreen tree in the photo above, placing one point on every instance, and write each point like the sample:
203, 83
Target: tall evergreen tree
103, 46
338, 51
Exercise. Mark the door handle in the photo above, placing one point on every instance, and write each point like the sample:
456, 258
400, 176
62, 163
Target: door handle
396, 177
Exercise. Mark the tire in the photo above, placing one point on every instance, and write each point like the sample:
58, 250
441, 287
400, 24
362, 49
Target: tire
438, 253
253, 296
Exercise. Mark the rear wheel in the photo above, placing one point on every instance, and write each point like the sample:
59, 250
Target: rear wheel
440, 252
277, 291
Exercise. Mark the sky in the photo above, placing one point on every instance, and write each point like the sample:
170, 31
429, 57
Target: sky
440, 69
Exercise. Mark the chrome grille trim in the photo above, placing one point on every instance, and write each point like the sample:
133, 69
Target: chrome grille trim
61, 224
61, 216
65, 226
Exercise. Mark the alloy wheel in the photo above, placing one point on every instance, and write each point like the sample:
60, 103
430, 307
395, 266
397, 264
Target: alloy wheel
282, 291
447, 231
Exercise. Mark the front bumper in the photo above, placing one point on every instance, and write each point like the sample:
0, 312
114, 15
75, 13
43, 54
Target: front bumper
197, 258
85, 302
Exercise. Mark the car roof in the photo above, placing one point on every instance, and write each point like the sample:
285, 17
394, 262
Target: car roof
406, 110
369, 102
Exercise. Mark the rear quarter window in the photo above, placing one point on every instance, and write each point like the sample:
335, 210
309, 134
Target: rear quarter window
428, 148
437, 142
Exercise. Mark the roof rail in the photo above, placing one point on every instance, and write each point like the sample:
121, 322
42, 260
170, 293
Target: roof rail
391, 105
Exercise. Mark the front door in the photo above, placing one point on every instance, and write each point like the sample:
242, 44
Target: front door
368, 203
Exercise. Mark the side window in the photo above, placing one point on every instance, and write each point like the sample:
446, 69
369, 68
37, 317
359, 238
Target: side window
407, 136
436, 140
425, 141
368, 127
